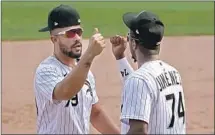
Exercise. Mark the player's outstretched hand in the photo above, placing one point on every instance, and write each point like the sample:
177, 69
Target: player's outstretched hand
119, 45
96, 43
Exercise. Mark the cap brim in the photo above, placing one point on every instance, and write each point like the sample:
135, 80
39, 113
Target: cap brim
44, 29
58, 30
128, 19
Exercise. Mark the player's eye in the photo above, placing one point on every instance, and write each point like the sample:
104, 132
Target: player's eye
72, 33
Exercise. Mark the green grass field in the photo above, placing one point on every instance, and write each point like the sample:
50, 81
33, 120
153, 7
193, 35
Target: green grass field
21, 20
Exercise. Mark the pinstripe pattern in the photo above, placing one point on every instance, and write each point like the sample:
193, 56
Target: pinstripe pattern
53, 117
144, 98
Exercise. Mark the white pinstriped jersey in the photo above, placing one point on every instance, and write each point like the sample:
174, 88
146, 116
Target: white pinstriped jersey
67, 116
154, 94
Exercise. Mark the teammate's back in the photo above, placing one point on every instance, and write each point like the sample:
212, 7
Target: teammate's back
152, 96
168, 109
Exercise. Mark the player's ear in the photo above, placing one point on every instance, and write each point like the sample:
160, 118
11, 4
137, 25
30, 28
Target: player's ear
134, 44
53, 39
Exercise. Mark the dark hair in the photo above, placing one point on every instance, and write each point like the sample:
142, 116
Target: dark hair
148, 49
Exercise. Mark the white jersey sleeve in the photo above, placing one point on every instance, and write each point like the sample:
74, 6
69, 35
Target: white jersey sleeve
137, 100
124, 68
46, 79
93, 83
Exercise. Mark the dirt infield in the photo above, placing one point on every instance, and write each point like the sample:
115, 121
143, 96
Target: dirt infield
193, 57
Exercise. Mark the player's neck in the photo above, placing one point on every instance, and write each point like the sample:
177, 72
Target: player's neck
143, 59
70, 62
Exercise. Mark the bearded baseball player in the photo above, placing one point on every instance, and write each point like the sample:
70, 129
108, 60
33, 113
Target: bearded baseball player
65, 89
152, 97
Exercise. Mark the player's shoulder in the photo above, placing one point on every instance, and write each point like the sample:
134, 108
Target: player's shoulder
147, 73
171, 67
168, 65
155, 67
135, 76
138, 81
48, 64
140, 74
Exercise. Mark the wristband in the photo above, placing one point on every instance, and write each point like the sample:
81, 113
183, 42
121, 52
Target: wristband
124, 67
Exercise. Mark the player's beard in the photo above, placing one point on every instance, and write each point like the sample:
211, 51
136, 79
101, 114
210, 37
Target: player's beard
71, 54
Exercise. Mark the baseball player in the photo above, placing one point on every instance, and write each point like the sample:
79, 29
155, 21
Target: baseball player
152, 97
65, 89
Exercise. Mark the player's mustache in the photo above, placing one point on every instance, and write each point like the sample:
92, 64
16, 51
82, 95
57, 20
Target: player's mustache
77, 43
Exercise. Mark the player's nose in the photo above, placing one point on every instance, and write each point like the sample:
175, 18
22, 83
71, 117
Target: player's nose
77, 37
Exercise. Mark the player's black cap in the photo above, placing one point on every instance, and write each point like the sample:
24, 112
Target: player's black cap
62, 16
146, 26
